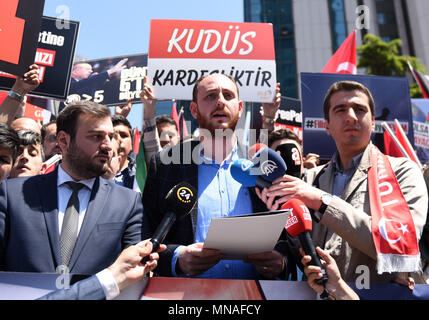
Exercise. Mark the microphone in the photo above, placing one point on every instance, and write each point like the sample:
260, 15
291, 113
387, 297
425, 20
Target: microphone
299, 224
179, 202
255, 148
291, 154
265, 167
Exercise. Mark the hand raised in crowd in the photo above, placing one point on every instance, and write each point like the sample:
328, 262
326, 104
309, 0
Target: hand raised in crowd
125, 109
194, 259
270, 109
118, 67
128, 268
288, 187
311, 160
335, 285
268, 264
28, 82
148, 100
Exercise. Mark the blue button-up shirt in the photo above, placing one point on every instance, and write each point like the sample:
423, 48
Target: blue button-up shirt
343, 176
220, 195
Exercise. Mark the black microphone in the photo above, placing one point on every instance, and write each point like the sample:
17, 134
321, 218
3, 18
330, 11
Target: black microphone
179, 202
291, 154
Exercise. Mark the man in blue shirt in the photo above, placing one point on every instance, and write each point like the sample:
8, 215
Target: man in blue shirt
205, 165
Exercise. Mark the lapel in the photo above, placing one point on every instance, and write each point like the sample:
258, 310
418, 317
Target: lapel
48, 191
97, 201
360, 175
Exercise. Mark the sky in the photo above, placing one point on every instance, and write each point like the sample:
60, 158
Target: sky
110, 28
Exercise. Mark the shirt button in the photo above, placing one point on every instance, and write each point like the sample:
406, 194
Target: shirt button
227, 266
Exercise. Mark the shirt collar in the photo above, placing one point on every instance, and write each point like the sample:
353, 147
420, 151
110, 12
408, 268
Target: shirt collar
232, 156
64, 177
353, 165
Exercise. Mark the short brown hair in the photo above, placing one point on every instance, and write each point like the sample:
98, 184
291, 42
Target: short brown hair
197, 83
280, 134
346, 86
68, 118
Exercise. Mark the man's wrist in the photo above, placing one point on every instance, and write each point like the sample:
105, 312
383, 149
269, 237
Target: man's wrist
16, 95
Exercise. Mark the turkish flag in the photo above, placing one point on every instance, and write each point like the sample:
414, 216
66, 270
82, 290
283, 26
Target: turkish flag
390, 147
137, 137
402, 138
344, 60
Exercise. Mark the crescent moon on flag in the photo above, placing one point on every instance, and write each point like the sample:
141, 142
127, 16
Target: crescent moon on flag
383, 232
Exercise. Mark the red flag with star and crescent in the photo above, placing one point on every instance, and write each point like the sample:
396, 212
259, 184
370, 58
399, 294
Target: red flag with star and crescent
344, 59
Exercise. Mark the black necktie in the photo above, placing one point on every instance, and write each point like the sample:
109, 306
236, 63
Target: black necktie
70, 223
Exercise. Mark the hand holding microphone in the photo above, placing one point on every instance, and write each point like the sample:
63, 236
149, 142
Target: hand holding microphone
299, 224
179, 202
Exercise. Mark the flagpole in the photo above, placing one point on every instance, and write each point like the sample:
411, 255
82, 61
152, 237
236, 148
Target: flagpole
392, 135
408, 143
181, 123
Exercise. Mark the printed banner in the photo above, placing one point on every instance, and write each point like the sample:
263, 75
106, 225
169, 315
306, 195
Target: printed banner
109, 89
181, 51
392, 101
20, 22
54, 56
289, 116
420, 109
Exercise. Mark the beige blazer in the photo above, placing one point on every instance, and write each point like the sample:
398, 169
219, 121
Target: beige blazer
345, 229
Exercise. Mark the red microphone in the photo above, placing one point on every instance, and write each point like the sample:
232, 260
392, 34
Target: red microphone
255, 148
299, 225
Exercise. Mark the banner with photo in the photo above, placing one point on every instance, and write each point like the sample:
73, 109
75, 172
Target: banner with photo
181, 51
289, 116
54, 56
420, 108
20, 22
109, 81
392, 101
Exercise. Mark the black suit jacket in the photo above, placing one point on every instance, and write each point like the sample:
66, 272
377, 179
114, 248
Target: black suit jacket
29, 231
162, 177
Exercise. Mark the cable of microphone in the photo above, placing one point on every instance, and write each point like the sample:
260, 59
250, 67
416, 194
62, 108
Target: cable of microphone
299, 224
179, 202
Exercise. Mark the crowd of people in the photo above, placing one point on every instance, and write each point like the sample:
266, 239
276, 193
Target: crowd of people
90, 215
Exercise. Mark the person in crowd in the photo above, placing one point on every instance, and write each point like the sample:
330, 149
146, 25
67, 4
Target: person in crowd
168, 132
127, 172
15, 98
337, 288
49, 138
70, 217
344, 198
26, 123
9, 149
108, 283
217, 107
115, 162
31, 156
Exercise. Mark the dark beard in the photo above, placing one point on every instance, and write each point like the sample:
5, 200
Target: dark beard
205, 124
82, 164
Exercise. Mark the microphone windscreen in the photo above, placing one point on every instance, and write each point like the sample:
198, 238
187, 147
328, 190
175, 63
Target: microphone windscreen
181, 199
292, 157
241, 171
299, 219
270, 164
255, 148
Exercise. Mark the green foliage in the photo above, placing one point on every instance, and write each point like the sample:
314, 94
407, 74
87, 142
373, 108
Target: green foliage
384, 59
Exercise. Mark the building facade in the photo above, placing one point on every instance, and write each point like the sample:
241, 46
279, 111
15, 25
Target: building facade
308, 32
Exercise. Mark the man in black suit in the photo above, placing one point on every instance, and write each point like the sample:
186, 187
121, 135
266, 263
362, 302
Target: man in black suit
205, 165
71, 216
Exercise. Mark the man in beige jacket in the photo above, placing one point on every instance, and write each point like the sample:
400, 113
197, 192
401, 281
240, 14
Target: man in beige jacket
338, 192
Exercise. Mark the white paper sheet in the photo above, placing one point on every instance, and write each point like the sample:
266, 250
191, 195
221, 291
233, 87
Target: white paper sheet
240, 236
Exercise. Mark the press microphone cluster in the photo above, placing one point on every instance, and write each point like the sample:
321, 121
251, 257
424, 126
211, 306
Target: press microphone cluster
179, 202
265, 167
299, 224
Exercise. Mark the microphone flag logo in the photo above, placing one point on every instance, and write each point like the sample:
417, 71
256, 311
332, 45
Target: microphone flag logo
184, 194
268, 167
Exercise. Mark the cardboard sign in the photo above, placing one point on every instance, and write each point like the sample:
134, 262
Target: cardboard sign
111, 90
392, 101
54, 56
181, 51
19, 28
